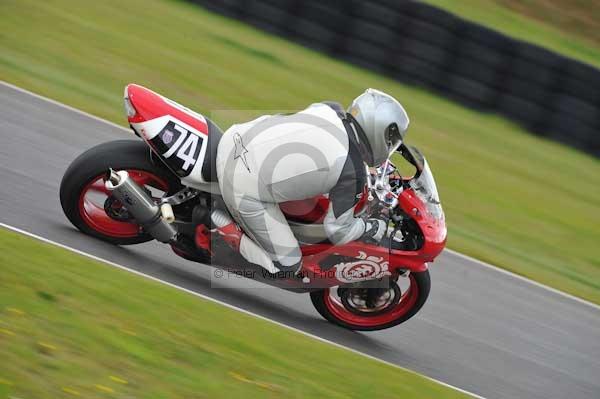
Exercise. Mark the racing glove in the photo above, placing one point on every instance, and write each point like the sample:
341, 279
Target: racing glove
374, 231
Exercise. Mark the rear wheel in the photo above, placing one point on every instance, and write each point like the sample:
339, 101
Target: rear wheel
359, 309
89, 206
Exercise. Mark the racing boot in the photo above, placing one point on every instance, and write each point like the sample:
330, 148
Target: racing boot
239, 241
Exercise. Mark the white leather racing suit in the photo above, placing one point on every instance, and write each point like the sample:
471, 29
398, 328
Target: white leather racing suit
279, 158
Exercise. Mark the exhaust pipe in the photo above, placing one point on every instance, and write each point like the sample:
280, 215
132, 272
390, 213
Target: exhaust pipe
140, 205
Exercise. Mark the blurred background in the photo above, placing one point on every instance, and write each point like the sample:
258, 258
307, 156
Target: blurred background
504, 100
493, 56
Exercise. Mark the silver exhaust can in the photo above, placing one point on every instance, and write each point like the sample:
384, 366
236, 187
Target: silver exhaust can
139, 205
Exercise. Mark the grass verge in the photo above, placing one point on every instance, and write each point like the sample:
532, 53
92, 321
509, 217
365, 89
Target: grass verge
73, 327
511, 198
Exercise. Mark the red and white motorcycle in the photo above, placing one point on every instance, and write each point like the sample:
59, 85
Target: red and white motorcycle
131, 191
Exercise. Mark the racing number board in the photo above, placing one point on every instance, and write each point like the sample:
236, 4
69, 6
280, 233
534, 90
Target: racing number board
178, 147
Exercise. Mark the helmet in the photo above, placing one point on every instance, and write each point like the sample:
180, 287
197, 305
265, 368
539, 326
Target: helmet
382, 123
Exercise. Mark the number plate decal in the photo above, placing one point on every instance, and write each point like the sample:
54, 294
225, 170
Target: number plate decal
178, 147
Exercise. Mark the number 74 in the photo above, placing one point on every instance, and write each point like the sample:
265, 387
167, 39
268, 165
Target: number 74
185, 147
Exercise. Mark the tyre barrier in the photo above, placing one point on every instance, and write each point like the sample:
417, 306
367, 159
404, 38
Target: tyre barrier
417, 43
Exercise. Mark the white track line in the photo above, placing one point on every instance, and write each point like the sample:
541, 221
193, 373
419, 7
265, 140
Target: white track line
466, 257
524, 279
125, 268
62, 105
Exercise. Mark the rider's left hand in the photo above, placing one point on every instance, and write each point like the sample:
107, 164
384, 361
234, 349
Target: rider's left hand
375, 230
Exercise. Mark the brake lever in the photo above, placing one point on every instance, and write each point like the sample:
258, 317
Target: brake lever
370, 197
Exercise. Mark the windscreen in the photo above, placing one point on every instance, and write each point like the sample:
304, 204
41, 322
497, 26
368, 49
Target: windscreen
423, 183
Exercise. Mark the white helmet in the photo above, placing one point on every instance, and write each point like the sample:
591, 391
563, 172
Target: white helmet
383, 121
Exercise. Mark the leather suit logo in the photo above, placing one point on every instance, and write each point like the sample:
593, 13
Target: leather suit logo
240, 150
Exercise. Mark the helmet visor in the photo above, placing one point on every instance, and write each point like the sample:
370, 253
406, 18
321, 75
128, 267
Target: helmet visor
393, 137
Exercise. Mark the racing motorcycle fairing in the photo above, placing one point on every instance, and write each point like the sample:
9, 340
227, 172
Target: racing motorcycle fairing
359, 261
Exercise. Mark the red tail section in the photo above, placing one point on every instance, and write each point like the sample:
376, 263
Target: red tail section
149, 105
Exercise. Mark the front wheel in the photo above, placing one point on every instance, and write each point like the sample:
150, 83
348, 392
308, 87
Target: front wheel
91, 208
352, 308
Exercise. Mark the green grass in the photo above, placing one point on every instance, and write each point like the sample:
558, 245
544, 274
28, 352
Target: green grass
580, 18
72, 327
569, 27
523, 203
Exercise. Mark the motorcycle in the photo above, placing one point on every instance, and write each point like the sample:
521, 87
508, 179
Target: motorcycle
130, 191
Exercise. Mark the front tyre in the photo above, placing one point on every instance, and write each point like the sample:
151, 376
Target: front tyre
344, 310
89, 206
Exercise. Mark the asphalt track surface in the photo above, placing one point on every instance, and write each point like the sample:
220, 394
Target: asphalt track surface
483, 331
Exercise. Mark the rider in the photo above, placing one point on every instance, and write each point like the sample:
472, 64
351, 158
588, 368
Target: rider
319, 150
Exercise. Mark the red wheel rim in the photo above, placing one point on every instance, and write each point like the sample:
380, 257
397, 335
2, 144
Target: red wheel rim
406, 303
91, 204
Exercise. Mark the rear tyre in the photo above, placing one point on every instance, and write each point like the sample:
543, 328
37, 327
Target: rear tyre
86, 202
339, 312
